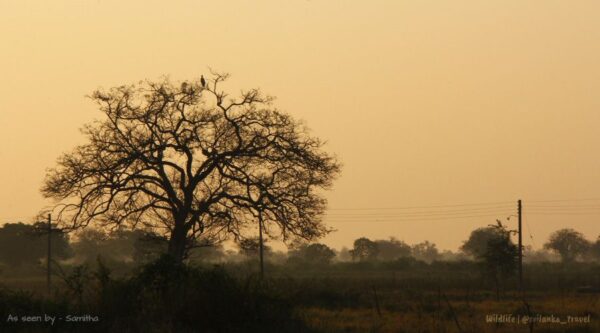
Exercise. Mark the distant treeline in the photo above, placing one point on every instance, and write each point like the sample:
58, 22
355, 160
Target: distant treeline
25, 245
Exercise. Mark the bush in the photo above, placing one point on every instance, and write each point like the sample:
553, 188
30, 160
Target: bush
163, 296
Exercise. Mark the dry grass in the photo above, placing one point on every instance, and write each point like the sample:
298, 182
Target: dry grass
344, 298
457, 316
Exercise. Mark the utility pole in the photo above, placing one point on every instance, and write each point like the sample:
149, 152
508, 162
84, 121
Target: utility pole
261, 249
49, 259
520, 213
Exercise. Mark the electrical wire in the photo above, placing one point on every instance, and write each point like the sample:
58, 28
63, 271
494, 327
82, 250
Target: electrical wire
501, 204
420, 213
390, 211
408, 219
565, 200
563, 213
499, 213
565, 206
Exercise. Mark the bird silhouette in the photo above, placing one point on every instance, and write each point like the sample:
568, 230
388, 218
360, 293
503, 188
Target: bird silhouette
202, 81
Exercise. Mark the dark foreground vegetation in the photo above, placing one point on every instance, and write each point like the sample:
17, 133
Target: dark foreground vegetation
404, 295
160, 297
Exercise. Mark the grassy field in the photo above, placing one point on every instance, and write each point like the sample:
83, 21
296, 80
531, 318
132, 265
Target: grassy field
386, 297
452, 312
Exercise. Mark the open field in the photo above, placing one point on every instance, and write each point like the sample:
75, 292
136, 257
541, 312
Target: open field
390, 297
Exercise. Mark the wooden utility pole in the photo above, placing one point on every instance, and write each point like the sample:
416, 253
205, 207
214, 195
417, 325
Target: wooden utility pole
49, 259
261, 246
520, 213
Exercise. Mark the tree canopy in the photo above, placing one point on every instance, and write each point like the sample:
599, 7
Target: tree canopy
315, 254
568, 243
26, 243
425, 251
392, 249
189, 162
364, 249
477, 244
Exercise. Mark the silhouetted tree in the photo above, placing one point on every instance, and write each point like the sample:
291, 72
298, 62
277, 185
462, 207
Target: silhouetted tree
25, 243
121, 246
477, 244
315, 254
569, 243
501, 257
90, 244
392, 249
191, 162
364, 249
250, 247
425, 251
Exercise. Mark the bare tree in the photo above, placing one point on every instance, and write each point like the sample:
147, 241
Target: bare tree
190, 162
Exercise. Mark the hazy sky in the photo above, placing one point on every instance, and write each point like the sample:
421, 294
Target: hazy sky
424, 102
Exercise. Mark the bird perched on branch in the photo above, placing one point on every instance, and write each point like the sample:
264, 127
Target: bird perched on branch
202, 81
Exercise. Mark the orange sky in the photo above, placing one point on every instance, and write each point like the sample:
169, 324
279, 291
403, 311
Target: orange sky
424, 102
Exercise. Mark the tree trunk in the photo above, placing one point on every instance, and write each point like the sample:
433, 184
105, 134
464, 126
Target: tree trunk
177, 243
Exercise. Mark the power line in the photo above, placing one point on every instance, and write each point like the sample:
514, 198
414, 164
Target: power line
565, 206
563, 213
406, 211
423, 211
409, 216
416, 218
539, 210
501, 204
565, 200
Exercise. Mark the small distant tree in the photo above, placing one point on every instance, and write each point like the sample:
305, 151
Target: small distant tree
314, 254
425, 251
501, 257
392, 249
477, 244
28, 243
568, 243
91, 243
448, 255
250, 247
120, 245
364, 249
